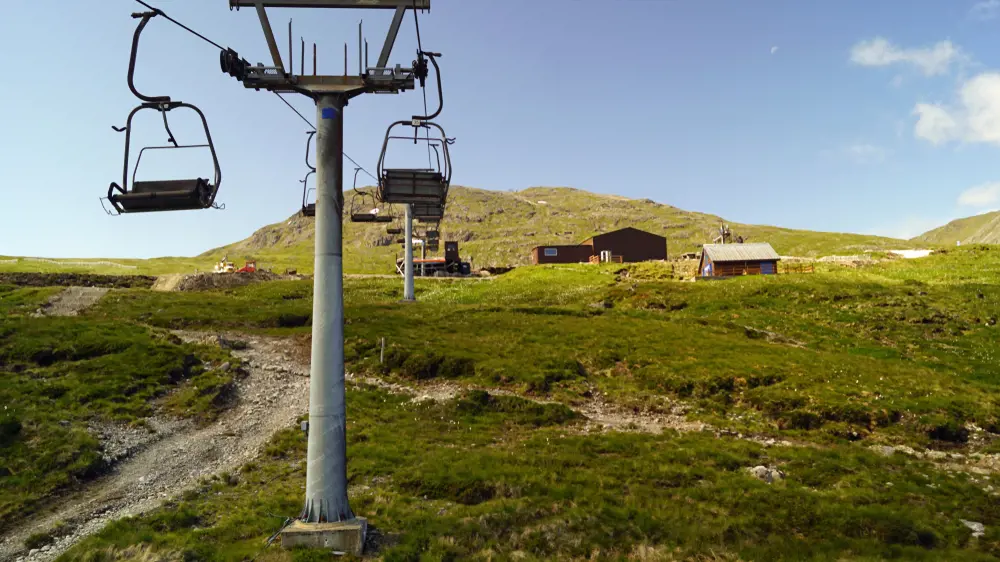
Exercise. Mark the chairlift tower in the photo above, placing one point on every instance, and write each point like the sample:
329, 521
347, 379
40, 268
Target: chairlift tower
326, 519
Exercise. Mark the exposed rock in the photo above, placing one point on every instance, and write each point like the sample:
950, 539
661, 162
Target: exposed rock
978, 529
765, 474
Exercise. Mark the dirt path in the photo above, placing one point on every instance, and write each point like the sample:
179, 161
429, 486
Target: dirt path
270, 397
71, 301
167, 283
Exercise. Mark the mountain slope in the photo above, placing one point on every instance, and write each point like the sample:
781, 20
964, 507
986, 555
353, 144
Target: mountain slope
499, 228
982, 229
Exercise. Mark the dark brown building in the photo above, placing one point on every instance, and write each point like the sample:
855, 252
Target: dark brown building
628, 244
631, 244
725, 260
561, 254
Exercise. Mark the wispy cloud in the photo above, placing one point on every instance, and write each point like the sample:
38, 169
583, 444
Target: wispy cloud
975, 117
933, 60
866, 153
985, 10
774, 49
981, 196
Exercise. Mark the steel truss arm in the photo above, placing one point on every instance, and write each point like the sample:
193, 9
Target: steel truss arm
359, 4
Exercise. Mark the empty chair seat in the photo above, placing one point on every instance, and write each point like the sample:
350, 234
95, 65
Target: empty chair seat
309, 210
412, 186
394, 230
427, 213
370, 217
166, 195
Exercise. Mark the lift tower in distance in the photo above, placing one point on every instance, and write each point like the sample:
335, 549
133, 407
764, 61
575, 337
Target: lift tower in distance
326, 519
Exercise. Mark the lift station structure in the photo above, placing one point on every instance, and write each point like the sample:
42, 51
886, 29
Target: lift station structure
326, 519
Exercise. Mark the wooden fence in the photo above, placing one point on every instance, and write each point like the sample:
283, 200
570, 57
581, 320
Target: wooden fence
786, 268
614, 259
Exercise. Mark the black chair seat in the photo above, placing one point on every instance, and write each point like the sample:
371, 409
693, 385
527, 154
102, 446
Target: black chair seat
309, 210
394, 230
166, 195
370, 217
412, 186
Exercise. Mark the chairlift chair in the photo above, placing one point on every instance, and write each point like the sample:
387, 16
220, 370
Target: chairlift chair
308, 209
161, 195
415, 185
361, 211
418, 185
427, 213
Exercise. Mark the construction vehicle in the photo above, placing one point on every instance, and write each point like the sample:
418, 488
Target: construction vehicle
450, 264
250, 266
226, 266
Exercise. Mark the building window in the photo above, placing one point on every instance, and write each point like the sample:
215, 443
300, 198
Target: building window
551, 252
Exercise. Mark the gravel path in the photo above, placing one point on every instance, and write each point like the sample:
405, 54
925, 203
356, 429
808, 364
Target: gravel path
71, 301
270, 397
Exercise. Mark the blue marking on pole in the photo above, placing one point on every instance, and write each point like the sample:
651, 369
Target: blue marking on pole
329, 113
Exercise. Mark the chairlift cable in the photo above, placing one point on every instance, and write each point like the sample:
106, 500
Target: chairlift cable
313, 127
423, 86
416, 21
182, 26
297, 112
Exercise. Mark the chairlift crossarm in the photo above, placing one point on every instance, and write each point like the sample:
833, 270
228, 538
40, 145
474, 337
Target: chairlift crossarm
280, 77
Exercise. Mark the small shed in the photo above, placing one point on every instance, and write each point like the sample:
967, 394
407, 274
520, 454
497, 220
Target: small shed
725, 260
561, 254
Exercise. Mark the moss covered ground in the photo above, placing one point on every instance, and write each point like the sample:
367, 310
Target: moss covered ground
58, 375
838, 363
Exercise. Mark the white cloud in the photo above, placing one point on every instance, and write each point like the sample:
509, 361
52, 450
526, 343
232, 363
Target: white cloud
934, 124
933, 60
975, 117
774, 49
985, 10
866, 153
985, 195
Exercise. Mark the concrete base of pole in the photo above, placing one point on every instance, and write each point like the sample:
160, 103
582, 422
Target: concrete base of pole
345, 536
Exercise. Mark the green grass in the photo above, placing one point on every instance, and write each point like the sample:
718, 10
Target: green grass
982, 228
18, 300
902, 352
59, 374
875, 353
485, 478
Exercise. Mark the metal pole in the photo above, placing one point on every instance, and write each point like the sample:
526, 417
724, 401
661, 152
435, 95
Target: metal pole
326, 468
408, 260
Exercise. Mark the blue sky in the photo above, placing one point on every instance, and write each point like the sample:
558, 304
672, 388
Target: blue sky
873, 117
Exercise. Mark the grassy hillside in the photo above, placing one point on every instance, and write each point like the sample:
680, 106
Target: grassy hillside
58, 375
979, 229
498, 228
848, 367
